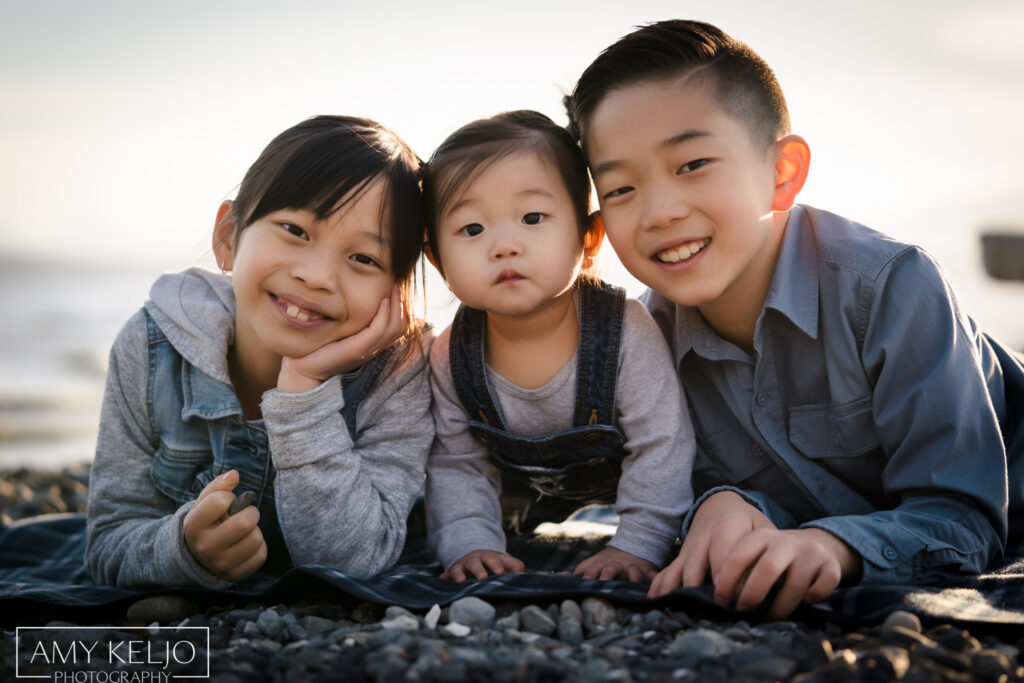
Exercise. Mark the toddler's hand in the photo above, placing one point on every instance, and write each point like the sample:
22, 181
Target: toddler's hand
480, 563
810, 562
612, 563
719, 523
232, 547
341, 356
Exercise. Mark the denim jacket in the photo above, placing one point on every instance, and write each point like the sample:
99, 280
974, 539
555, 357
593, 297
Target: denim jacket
336, 469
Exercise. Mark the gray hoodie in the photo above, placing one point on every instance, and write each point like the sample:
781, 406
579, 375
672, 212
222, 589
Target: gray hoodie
342, 501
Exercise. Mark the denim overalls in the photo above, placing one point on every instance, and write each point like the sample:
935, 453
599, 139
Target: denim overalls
548, 478
202, 433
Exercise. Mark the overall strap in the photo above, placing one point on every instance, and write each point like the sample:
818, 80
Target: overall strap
359, 386
469, 371
602, 307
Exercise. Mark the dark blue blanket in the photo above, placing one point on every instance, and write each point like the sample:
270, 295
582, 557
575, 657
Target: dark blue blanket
41, 566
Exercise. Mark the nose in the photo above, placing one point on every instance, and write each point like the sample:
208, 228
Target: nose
505, 244
317, 269
663, 206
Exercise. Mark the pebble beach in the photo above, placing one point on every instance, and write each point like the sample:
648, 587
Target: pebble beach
591, 639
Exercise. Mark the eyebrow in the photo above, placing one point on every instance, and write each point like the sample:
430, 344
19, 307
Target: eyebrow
613, 164
531, 191
373, 236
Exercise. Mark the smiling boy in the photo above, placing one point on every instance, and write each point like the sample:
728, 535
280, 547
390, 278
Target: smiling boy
851, 419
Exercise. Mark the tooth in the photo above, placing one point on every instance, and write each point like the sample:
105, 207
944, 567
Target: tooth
669, 256
293, 310
303, 317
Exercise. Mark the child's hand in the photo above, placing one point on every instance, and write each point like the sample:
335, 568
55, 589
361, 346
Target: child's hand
480, 563
388, 324
612, 563
230, 547
812, 562
719, 523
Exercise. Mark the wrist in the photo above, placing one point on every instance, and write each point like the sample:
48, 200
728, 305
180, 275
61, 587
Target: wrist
851, 564
295, 383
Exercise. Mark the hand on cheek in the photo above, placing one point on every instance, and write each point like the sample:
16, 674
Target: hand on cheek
388, 324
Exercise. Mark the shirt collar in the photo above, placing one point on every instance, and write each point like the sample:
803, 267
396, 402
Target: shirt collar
794, 288
793, 292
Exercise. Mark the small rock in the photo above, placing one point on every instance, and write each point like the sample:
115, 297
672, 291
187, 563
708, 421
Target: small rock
270, 623
509, 622
536, 620
570, 630
907, 620
161, 608
471, 611
315, 624
701, 643
455, 629
396, 611
366, 613
598, 613
761, 662
241, 502
402, 622
432, 616
572, 607
904, 637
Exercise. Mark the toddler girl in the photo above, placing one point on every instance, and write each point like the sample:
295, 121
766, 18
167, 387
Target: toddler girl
286, 379
551, 390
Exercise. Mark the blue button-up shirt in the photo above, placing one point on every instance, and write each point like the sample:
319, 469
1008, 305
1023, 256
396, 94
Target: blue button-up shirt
865, 409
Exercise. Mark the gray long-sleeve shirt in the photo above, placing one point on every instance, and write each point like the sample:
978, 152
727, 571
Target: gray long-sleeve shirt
341, 501
463, 486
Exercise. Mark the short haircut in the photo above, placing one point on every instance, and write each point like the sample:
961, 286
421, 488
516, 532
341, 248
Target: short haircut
743, 83
473, 148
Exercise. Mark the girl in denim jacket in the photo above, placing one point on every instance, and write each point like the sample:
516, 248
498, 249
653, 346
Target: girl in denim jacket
301, 378
551, 390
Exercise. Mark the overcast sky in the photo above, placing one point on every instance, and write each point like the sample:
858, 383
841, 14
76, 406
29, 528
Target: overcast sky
123, 124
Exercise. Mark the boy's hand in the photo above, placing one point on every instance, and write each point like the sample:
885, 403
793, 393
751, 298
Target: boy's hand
812, 562
230, 547
719, 523
341, 356
612, 563
480, 563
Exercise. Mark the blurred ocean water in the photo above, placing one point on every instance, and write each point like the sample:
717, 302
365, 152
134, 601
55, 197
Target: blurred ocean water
57, 322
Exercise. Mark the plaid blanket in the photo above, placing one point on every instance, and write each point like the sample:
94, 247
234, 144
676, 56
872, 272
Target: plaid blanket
41, 565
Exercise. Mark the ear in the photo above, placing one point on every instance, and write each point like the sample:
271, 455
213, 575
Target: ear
594, 235
224, 236
792, 162
428, 251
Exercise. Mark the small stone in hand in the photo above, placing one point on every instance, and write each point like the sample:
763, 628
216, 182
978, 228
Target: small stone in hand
242, 502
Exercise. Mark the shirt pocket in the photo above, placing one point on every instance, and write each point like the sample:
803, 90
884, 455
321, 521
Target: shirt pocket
825, 431
728, 456
180, 472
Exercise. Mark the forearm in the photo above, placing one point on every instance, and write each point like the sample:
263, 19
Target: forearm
340, 503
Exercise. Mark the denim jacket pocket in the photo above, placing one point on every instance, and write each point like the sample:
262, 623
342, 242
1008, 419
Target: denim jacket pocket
824, 430
728, 457
181, 474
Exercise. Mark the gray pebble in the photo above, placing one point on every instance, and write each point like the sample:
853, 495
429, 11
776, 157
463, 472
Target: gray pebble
598, 613
570, 630
161, 608
701, 643
572, 607
270, 623
508, 623
471, 611
536, 620
241, 502
315, 624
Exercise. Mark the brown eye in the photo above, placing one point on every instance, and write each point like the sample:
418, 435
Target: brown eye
473, 229
533, 218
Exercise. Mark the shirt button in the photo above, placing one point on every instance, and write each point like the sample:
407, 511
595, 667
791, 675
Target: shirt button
819, 482
762, 399
890, 553
758, 450
836, 441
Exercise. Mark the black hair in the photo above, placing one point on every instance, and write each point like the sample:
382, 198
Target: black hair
325, 162
743, 83
473, 148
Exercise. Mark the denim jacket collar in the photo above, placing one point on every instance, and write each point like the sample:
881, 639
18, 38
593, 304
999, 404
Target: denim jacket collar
206, 397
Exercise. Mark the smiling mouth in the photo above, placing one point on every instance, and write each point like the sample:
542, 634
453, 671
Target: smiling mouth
296, 312
682, 252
